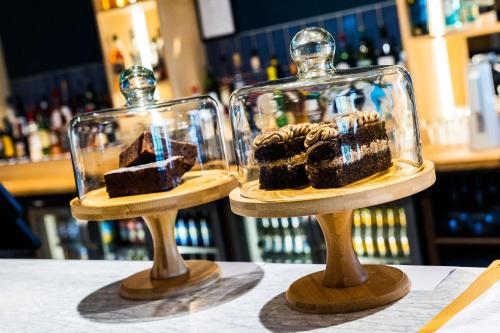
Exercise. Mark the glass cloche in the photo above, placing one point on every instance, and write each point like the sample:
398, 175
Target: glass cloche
147, 146
325, 128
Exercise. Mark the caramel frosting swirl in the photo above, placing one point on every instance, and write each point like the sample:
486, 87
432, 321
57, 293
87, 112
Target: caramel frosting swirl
320, 132
297, 129
282, 134
272, 136
358, 118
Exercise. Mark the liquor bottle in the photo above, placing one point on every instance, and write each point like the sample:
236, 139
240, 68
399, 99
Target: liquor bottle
157, 59
43, 126
183, 231
365, 51
393, 246
273, 70
116, 60
452, 13
19, 139
135, 53
210, 85
345, 59
366, 217
225, 82
279, 109
277, 239
381, 246
56, 124
206, 234
298, 241
90, 100
312, 108
238, 81
267, 239
7, 141
256, 66
357, 234
418, 17
66, 114
34, 140
386, 51
132, 232
287, 237
123, 231
403, 238
193, 232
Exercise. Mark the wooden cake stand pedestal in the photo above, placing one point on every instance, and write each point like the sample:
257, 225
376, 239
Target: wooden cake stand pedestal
345, 285
170, 274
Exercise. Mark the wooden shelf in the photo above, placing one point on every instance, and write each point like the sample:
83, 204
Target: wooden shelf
475, 29
458, 158
483, 241
39, 178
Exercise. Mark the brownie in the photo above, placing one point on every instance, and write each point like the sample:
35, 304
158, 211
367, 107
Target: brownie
346, 150
280, 155
147, 178
148, 148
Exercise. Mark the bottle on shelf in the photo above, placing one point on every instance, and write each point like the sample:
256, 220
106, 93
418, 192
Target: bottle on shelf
225, 82
210, 85
116, 60
345, 57
157, 57
386, 51
381, 239
206, 233
277, 239
90, 99
238, 81
134, 51
274, 70
312, 108
452, 13
7, 140
256, 66
358, 244
418, 17
364, 55
43, 126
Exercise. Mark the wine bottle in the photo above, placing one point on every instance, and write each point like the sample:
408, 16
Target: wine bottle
365, 50
345, 59
386, 50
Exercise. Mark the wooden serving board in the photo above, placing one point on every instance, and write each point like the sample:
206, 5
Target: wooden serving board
396, 183
197, 188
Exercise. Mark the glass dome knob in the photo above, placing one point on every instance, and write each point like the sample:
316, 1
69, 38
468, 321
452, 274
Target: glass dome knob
313, 49
138, 85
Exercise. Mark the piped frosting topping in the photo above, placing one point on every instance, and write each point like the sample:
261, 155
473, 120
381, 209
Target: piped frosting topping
340, 124
318, 132
321, 132
282, 134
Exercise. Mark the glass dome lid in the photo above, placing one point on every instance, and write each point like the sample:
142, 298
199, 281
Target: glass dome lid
325, 128
146, 146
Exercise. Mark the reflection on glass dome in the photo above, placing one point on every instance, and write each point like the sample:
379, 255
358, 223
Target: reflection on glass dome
146, 146
324, 128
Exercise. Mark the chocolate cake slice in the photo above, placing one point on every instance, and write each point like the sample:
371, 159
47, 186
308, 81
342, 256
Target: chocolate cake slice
148, 148
147, 178
280, 155
347, 149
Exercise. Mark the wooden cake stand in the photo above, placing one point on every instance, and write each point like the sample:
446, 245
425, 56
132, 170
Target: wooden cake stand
345, 285
170, 274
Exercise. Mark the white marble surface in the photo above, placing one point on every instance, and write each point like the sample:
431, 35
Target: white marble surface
82, 296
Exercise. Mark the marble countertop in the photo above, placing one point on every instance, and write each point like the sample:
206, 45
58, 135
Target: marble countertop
82, 296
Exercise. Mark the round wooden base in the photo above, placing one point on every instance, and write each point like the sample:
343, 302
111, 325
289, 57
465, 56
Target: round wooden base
384, 285
141, 286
